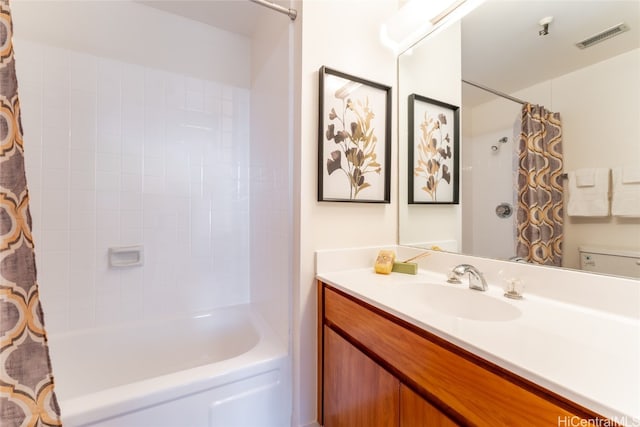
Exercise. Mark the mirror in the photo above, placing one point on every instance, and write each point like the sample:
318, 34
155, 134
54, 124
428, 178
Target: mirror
500, 46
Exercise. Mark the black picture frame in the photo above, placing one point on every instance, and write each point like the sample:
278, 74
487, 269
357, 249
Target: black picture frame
354, 139
434, 158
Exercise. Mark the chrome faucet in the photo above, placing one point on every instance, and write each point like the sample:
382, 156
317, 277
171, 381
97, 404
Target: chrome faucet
476, 279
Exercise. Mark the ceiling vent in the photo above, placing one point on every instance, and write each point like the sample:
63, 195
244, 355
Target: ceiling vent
603, 35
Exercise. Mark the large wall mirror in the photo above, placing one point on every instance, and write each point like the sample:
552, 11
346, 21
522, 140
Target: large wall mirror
504, 46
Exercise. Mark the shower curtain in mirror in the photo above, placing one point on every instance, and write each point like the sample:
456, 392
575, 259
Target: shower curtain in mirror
27, 397
539, 218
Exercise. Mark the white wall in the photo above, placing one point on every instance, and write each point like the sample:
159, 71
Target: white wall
599, 106
433, 70
342, 35
122, 151
271, 198
600, 129
271, 248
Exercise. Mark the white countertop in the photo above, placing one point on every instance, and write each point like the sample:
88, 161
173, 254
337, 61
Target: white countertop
589, 356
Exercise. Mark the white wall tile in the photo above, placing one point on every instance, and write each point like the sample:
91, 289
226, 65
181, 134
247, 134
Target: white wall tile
107, 200
82, 200
126, 155
131, 201
109, 142
31, 112
131, 236
55, 112
82, 180
82, 160
132, 164
29, 64
132, 295
130, 219
175, 91
83, 118
82, 221
80, 316
56, 68
133, 83
154, 166
55, 179
108, 162
109, 77
84, 72
107, 181
53, 241
153, 184
131, 183
55, 269
133, 142
55, 219
108, 220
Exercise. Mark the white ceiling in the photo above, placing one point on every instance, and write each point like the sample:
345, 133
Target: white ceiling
501, 47
236, 16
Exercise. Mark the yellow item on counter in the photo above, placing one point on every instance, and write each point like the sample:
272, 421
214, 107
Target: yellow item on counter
384, 262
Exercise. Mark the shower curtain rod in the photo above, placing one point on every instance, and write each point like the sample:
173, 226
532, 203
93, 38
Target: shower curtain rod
495, 92
291, 13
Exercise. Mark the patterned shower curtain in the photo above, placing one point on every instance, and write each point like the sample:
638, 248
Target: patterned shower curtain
26, 383
539, 218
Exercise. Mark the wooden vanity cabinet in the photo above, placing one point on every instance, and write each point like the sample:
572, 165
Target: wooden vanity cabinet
359, 392
378, 370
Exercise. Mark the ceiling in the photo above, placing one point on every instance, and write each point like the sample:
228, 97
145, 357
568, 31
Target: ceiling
501, 47
236, 16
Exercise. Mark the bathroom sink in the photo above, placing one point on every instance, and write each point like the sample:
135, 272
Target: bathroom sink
469, 304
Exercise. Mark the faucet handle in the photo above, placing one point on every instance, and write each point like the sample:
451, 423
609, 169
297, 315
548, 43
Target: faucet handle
454, 277
476, 278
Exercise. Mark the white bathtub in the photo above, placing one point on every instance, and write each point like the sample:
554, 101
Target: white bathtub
221, 369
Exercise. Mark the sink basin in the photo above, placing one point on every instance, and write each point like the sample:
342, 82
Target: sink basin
470, 304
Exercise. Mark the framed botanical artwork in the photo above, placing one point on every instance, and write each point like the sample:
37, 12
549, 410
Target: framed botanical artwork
354, 139
433, 151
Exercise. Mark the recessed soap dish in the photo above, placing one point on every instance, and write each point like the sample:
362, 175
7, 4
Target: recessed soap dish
126, 256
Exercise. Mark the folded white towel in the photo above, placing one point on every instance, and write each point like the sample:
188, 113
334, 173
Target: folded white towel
630, 175
585, 177
589, 200
625, 199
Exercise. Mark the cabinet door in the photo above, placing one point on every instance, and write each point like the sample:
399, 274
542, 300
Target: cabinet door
357, 391
417, 412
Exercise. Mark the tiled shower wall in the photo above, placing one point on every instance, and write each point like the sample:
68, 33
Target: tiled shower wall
484, 168
119, 154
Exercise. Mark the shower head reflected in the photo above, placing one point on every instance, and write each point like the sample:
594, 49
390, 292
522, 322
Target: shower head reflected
502, 140
544, 23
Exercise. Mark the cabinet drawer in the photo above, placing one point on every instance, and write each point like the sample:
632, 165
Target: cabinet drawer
470, 389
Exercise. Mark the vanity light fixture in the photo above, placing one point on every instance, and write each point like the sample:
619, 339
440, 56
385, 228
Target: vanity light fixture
419, 18
603, 35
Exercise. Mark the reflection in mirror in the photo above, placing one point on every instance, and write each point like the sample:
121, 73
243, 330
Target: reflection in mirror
595, 90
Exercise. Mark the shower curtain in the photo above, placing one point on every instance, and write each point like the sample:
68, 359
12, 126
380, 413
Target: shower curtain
27, 397
539, 218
